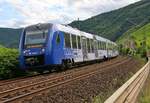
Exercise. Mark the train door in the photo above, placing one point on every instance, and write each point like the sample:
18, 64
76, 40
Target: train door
96, 48
84, 48
57, 47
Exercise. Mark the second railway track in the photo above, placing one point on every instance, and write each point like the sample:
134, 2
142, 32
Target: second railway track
20, 93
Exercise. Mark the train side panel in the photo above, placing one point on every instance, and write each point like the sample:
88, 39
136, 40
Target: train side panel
57, 48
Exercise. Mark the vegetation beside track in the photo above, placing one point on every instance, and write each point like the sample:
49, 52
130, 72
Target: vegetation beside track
118, 81
115, 83
136, 41
9, 66
144, 96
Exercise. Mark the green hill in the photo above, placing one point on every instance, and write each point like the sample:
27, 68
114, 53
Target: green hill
10, 37
115, 23
136, 38
111, 25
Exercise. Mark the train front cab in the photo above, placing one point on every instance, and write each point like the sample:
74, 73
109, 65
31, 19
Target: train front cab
34, 46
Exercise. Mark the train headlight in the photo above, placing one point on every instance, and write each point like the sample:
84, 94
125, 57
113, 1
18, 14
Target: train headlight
43, 50
25, 51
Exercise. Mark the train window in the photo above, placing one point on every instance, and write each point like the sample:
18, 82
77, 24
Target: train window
101, 45
88, 44
79, 42
105, 46
58, 39
74, 42
98, 44
109, 46
95, 45
35, 37
112, 47
92, 45
67, 40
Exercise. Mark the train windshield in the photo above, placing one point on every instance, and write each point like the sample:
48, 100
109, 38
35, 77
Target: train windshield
35, 36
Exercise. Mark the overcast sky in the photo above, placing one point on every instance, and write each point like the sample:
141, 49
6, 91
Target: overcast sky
19, 13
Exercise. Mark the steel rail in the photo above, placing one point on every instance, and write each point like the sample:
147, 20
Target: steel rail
2, 94
20, 83
62, 80
15, 80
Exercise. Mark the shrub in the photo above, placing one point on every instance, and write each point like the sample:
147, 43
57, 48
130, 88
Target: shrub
9, 65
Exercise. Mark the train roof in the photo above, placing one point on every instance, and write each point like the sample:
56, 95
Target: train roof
42, 26
74, 31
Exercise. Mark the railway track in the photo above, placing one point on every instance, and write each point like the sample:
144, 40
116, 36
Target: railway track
10, 84
21, 93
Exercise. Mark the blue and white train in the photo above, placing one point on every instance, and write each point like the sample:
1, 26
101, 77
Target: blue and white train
54, 44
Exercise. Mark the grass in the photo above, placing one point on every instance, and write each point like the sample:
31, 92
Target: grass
145, 94
137, 36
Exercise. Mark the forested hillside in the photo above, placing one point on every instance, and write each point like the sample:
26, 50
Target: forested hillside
115, 23
10, 37
137, 38
111, 25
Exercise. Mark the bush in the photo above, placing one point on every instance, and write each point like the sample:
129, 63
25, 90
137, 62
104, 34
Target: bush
9, 65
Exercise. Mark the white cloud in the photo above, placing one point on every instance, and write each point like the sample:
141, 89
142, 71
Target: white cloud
6, 23
99, 6
0, 10
60, 11
35, 11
